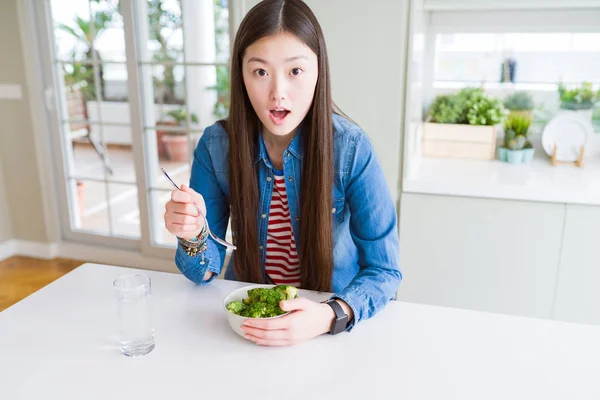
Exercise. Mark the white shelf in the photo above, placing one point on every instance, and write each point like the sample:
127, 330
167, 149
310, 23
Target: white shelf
537, 181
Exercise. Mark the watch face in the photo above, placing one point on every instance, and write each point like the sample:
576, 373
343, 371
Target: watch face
341, 319
339, 325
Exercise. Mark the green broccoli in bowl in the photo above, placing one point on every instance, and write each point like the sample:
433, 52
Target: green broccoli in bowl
263, 302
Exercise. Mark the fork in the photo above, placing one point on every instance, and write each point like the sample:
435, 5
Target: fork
218, 240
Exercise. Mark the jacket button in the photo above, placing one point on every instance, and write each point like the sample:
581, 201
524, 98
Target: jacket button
333, 210
269, 179
297, 218
287, 153
291, 178
263, 216
260, 247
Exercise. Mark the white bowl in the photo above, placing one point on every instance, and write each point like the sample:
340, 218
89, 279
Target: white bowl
236, 321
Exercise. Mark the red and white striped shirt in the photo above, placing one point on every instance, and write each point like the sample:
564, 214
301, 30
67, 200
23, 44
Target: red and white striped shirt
281, 259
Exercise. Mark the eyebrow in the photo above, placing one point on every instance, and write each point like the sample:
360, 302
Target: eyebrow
260, 60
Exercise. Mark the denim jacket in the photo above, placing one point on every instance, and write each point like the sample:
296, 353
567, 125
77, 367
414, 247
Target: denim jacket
366, 270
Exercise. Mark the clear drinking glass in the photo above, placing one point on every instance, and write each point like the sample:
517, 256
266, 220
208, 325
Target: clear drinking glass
135, 320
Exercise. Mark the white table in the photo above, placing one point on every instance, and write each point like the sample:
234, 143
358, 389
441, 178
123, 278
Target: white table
59, 343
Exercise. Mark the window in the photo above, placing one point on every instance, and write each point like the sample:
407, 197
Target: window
541, 59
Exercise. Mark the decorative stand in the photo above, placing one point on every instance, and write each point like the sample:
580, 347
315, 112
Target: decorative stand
579, 161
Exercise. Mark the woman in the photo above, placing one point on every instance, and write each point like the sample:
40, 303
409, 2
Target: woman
307, 197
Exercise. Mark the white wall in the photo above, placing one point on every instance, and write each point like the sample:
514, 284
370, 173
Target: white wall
5, 220
366, 42
17, 145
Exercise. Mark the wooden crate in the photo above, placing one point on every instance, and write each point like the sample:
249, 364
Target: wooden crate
459, 141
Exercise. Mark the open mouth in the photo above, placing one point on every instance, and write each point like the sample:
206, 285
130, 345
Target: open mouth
278, 115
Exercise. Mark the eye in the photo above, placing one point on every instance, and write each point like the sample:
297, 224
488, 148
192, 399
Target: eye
297, 71
260, 72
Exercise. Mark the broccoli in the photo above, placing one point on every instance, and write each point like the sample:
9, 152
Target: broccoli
236, 307
256, 310
263, 302
286, 292
264, 295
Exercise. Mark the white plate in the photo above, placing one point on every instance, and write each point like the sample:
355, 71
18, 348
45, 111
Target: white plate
569, 131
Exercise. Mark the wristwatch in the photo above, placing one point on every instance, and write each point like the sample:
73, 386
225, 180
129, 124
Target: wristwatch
341, 318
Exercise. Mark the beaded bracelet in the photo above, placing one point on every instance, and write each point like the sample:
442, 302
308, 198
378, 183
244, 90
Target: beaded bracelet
196, 245
195, 251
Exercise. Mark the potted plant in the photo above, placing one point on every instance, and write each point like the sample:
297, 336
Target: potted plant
517, 148
463, 125
176, 143
580, 99
520, 103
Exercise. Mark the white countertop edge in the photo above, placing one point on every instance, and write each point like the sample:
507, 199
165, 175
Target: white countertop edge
501, 192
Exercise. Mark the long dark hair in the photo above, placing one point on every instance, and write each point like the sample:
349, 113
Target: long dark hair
269, 18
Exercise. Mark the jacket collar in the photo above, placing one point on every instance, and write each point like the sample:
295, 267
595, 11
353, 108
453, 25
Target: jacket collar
296, 147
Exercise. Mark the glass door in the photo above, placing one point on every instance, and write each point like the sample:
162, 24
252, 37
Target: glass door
131, 85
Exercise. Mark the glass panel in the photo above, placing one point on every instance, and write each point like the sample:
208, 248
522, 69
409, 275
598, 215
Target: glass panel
80, 89
207, 93
114, 86
76, 30
222, 40
103, 153
164, 30
200, 19
536, 42
588, 42
174, 156
109, 42
124, 210
81, 94
530, 58
71, 29
160, 235
90, 157
120, 159
200, 28
168, 92
466, 57
90, 213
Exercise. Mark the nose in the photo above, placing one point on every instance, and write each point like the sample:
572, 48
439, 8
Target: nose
278, 88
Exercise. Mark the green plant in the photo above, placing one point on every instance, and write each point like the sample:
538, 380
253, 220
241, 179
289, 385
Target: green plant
485, 111
518, 123
466, 98
578, 98
180, 118
468, 106
519, 101
516, 129
445, 109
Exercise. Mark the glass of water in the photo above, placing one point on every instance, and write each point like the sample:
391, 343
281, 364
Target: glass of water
136, 332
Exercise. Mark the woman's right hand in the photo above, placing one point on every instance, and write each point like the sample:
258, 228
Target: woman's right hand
181, 218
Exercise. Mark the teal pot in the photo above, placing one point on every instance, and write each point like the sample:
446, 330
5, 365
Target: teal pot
514, 156
502, 153
528, 155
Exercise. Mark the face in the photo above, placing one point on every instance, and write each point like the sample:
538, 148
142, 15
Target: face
280, 73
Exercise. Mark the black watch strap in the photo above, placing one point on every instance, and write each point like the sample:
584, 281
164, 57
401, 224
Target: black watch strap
341, 318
